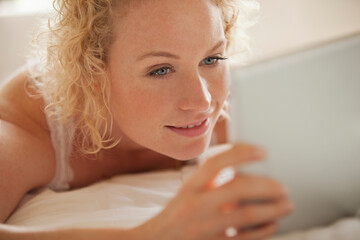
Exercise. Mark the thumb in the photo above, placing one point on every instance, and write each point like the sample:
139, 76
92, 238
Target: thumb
225, 155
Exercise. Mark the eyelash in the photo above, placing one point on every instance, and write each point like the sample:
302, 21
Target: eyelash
154, 73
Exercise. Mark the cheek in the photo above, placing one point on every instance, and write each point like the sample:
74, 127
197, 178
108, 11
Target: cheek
146, 104
219, 85
136, 103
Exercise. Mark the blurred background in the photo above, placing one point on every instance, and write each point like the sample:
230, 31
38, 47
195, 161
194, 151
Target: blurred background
284, 27
299, 96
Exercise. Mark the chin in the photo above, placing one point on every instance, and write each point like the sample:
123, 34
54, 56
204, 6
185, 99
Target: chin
190, 152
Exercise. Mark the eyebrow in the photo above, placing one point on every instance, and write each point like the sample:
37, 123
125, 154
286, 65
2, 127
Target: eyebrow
170, 55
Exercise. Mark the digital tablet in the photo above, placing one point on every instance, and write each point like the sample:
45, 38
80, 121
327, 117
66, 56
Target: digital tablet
304, 108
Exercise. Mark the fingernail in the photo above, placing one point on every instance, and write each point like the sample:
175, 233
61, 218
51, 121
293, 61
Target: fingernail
285, 190
259, 152
289, 207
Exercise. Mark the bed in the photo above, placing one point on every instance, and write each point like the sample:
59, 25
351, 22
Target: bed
325, 211
129, 200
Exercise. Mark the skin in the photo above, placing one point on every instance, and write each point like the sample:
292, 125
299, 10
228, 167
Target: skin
195, 87
142, 106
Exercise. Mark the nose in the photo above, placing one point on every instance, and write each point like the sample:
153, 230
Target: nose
194, 94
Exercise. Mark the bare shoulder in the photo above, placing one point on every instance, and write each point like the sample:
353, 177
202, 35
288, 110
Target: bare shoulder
18, 107
27, 159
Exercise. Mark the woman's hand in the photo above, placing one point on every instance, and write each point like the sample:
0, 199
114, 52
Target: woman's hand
250, 204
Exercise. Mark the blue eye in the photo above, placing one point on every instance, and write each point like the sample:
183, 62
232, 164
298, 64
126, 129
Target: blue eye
164, 71
209, 61
160, 72
212, 60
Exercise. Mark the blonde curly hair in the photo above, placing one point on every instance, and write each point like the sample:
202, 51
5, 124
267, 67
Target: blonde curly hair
73, 62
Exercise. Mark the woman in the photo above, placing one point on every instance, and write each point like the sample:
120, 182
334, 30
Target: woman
130, 86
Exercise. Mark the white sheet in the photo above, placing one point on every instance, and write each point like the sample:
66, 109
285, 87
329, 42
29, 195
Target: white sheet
129, 200
125, 201
344, 229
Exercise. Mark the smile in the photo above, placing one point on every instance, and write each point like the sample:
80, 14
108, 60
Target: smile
192, 130
192, 126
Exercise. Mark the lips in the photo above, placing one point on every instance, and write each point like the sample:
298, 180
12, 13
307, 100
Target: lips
193, 131
190, 124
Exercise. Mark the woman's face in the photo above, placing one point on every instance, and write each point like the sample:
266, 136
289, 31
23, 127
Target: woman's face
165, 75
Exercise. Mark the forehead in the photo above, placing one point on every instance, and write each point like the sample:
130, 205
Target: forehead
172, 24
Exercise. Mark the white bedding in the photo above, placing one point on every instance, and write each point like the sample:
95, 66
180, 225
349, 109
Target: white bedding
125, 201
129, 200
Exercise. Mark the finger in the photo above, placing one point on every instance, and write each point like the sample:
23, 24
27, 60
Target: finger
253, 215
245, 189
262, 232
236, 155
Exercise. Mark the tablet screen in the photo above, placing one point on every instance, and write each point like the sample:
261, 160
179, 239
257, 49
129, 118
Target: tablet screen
304, 108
